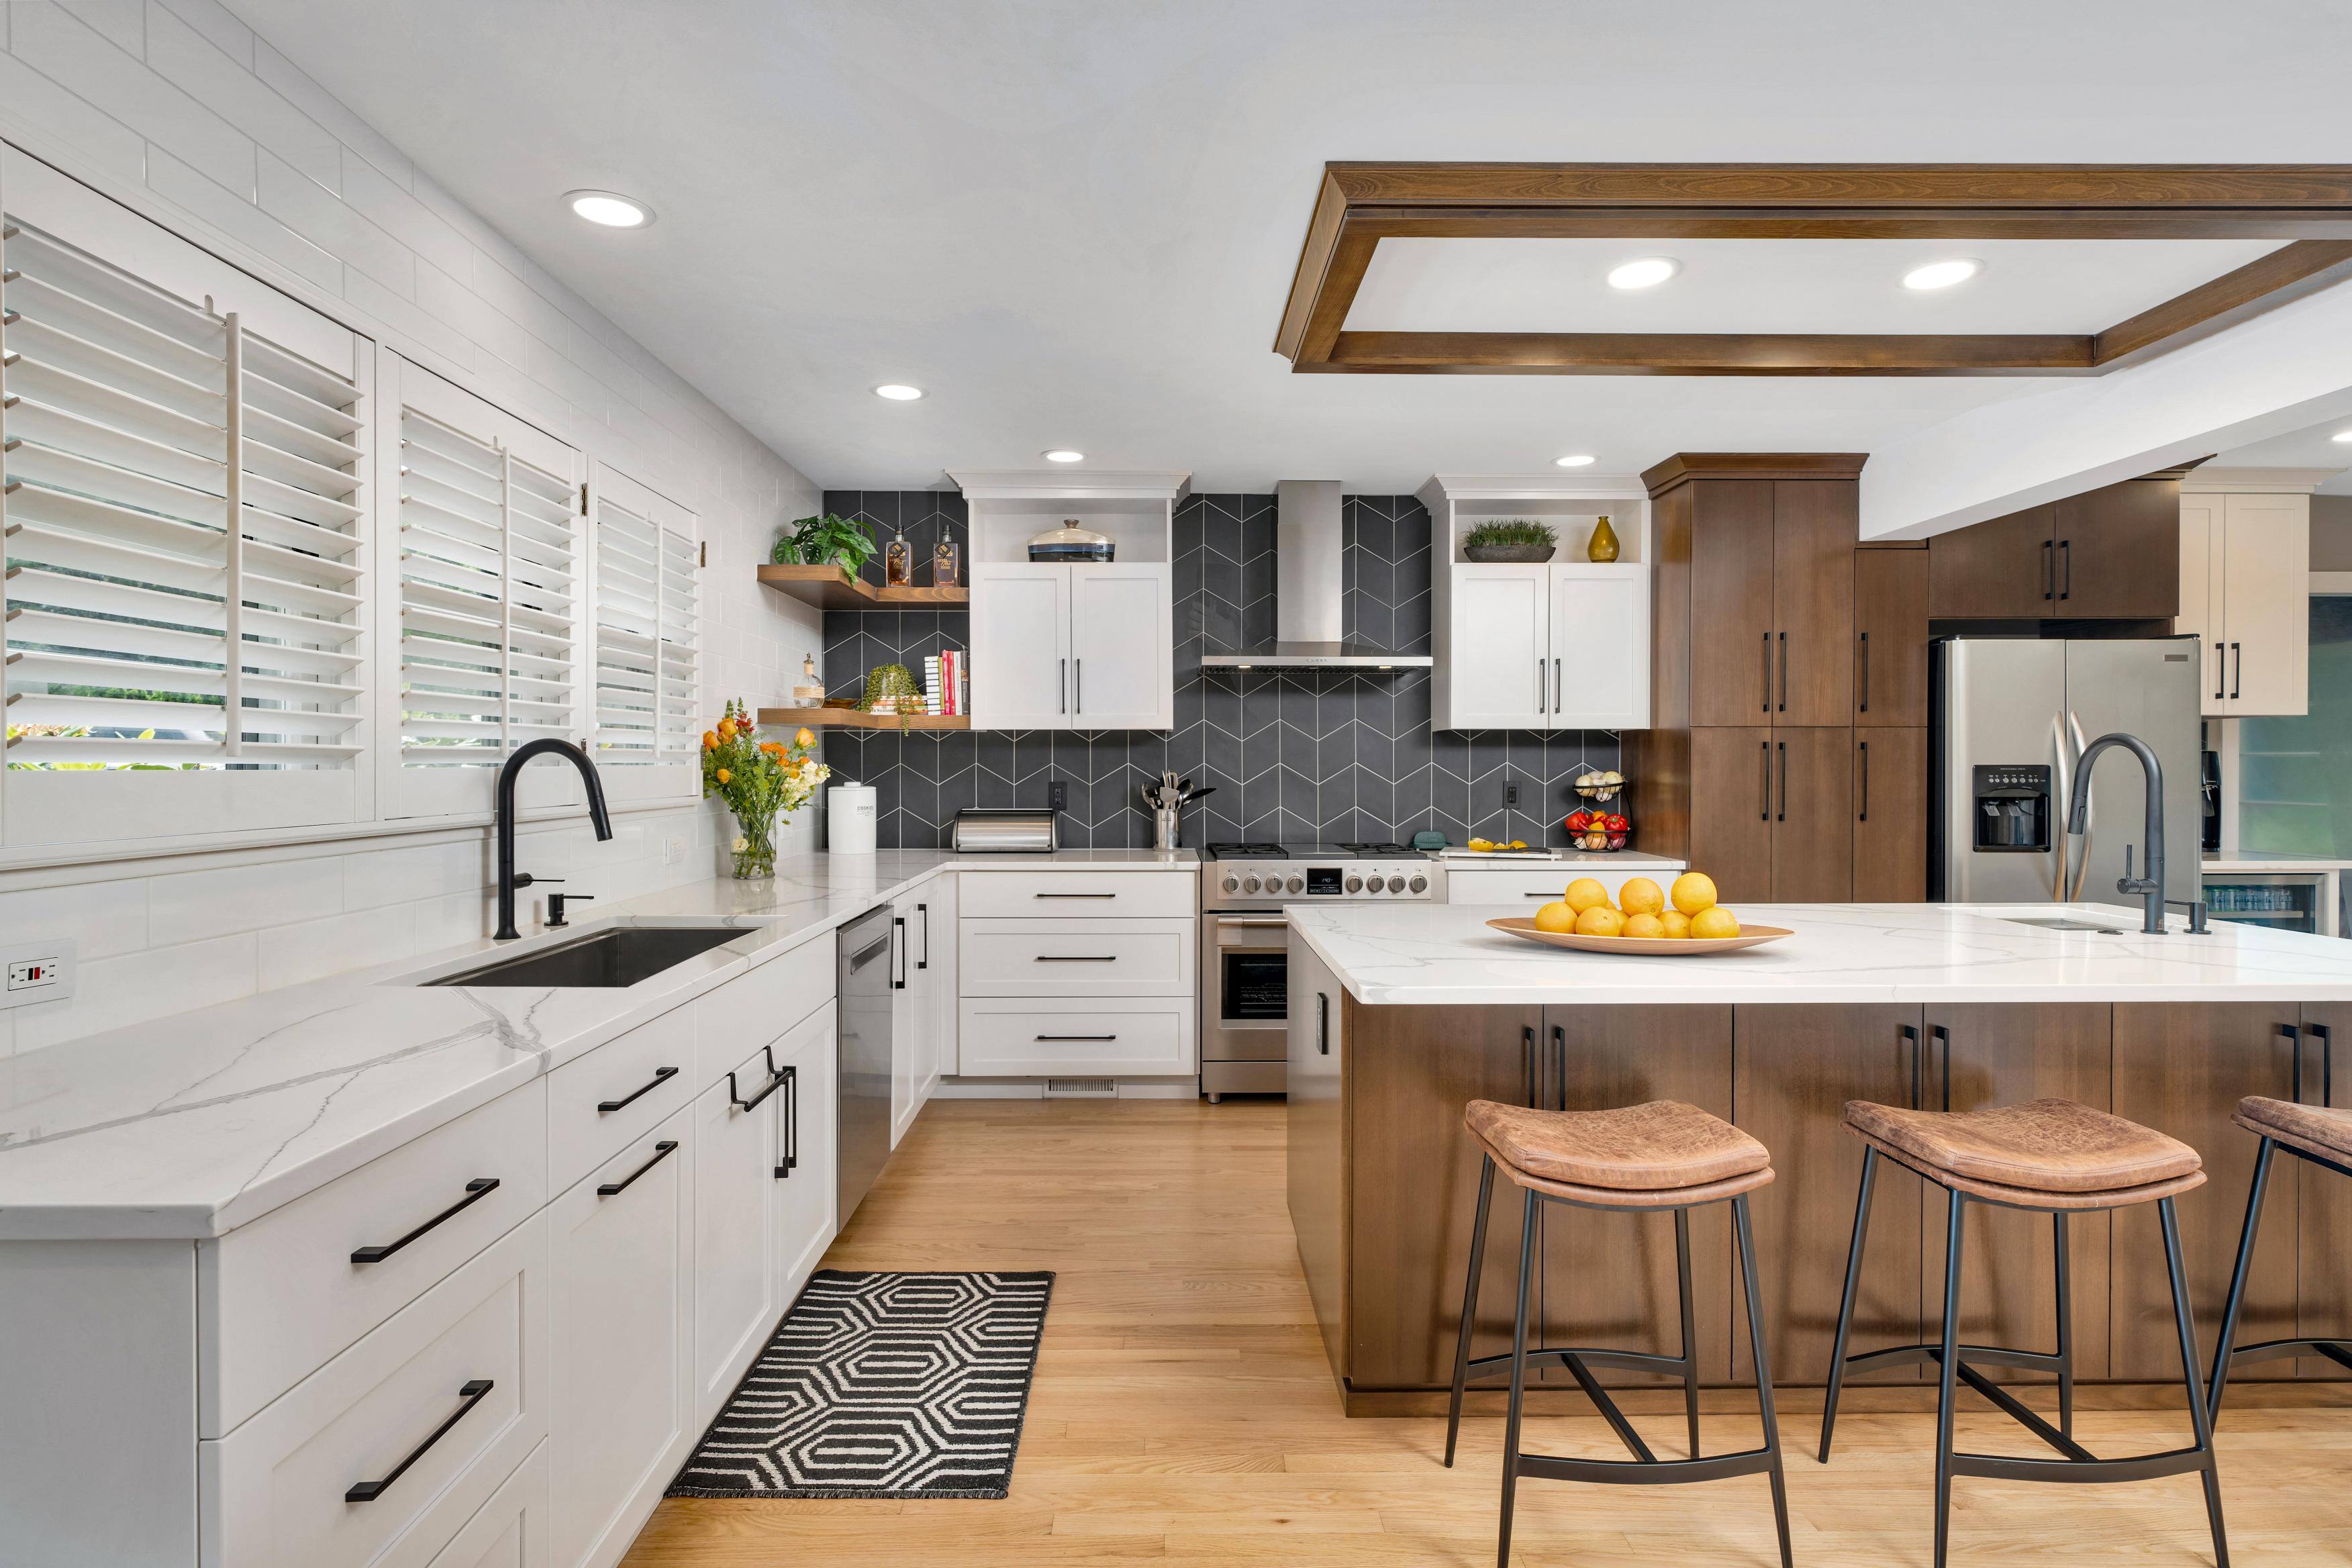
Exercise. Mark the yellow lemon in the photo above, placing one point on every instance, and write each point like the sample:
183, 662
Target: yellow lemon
1641, 896
1677, 925
1480, 844
1585, 893
1713, 922
1645, 924
1693, 891
1556, 918
1599, 920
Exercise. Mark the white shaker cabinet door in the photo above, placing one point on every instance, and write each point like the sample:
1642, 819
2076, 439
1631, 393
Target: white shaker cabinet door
802, 1180
910, 1021
621, 1342
1122, 672
2266, 602
1498, 674
1600, 648
1020, 646
736, 1143
940, 952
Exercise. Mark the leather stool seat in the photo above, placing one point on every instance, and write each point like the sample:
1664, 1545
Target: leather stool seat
2313, 1129
1660, 1154
2039, 1153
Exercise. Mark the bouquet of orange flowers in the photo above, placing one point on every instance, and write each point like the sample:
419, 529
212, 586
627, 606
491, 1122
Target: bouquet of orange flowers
758, 780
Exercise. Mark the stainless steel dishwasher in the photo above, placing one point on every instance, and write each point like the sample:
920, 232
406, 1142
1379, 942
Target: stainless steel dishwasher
862, 991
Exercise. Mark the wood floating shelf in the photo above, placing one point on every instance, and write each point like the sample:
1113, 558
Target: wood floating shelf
854, 719
832, 588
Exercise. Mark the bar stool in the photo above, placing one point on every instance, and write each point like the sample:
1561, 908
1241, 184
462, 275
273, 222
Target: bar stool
2051, 1156
1661, 1155
2318, 1136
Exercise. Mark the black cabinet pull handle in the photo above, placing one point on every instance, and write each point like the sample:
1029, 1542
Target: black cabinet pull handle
1864, 706
472, 1392
2237, 668
2066, 559
925, 910
1766, 706
2049, 570
1075, 958
1784, 672
1864, 816
1528, 1066
477, 1190
1938, 1036
1063, 680
1560, 1068
662, 1150
1322, 1024
898, 953
2221, 670
2293, 1039
661, 1076
1764, 780
2326, 1060
1783, 815
775, 1081
1555, 688
1086, 1037
1103, 895
792, 1150
1909, 1035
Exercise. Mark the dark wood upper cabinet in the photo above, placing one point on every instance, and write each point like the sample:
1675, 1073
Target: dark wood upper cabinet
1815, 526
2117, 551
1732, 670
2001, 570
1890, 638
1890, 816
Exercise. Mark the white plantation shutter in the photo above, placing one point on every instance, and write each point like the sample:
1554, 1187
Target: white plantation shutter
681, 631
647, 608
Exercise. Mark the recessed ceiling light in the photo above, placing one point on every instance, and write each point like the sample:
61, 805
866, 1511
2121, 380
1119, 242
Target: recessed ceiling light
1942, 273
1646, 273
1064, 455
2343, 435
1575, 460
896, 393
609, 209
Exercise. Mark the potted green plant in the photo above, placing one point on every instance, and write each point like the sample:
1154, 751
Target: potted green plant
828, 541
1510, 539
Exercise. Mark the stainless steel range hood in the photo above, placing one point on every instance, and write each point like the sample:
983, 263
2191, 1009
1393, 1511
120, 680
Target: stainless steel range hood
1309, 585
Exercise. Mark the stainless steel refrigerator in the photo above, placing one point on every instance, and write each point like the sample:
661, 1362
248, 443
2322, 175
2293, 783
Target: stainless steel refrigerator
2009, 720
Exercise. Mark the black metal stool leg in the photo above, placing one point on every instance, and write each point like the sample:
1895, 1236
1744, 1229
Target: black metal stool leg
2221, 1348
2199, 1419
1469, 1304
1763, 1373
1948, 1362
1845, 1305
2065, 1323
1518, 1380
1690, 1330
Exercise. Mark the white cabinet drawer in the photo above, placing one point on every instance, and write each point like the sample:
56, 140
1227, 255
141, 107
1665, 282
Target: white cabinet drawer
616, 1092
1068, 1038
431, 1412
1073, 958
751, 1010
1531, 884
284, 1295
1075, 895
510, 1532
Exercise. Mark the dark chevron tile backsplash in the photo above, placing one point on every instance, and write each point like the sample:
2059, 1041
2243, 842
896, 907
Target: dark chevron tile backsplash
1294, 755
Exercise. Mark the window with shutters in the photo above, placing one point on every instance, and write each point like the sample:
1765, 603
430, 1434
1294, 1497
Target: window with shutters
646, 691
182, 497
491, 595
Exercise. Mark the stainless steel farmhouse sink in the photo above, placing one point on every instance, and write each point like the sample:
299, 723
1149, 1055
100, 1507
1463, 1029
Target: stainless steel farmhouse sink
620, 956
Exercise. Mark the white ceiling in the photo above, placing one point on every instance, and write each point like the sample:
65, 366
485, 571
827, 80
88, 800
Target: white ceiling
2312, 449
1075, 224
1779, 285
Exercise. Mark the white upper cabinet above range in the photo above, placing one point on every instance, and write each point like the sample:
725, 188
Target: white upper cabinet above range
2246, 588
1073, 645
1557, 644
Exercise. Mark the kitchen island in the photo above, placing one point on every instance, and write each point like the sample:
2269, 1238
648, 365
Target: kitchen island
1401, 1015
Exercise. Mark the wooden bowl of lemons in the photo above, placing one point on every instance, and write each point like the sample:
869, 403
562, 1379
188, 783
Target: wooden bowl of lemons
1646, 920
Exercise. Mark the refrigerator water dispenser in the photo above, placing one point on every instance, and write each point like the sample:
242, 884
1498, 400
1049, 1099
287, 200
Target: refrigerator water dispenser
2012, 813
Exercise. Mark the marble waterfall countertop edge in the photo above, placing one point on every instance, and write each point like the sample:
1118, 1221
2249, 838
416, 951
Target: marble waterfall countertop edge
1445, 955
188, 1127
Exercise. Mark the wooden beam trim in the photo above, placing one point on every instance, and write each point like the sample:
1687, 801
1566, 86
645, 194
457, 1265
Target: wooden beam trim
1704, 353
1390, 221
2263, 284
1314, 262
1352, 257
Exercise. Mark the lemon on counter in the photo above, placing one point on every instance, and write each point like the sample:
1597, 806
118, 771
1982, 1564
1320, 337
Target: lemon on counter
1556, 916
1677, 925
1599, 920
1714, 922
1641, 896
1693, 891
1585, 893
1645, 924
1480, 844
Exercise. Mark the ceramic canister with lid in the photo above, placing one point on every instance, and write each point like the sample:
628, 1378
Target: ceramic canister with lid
849, 819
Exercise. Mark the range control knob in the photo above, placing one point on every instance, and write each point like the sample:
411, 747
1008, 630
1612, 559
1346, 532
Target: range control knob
1355, 884
1419, 884
1250, 885
1233, 883
1297, 884
1396, 884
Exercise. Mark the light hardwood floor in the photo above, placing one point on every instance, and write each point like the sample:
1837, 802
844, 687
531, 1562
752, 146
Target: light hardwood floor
1183, 1408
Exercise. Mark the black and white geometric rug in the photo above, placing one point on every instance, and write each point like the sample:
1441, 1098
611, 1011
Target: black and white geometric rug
882, 1386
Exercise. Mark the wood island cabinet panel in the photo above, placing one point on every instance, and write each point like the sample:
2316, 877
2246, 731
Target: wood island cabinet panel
1413, 1186
1815, 526
1812, 817
1890, 637
2118, 552
1731, 795
1624, 1056
2181, 1068
1793, 1068
2324, 1259
1986, 1055
2000, 570
1890, 815
1731, 602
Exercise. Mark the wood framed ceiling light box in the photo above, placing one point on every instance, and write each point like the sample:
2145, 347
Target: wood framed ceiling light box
2308, 206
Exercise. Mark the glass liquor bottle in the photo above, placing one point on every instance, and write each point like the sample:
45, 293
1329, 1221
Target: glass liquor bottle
897, 561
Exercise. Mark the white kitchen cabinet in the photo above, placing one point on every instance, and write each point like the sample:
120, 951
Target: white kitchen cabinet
738, 1142
1497, 671
1020, 646
1600, 631
914, 1024
935, 962
510, 1532
2245, 594
1063, 647
802, 1183
1524, 884
621, 1342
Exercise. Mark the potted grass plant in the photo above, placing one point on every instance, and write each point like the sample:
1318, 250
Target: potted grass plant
1521, 539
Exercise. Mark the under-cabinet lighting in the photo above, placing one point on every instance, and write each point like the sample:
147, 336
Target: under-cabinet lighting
898, 392
1575, 460
609, 209
1064, 455
1646, 273
1942, 273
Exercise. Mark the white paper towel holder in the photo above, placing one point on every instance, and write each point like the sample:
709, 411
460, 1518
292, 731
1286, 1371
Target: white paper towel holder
849, 815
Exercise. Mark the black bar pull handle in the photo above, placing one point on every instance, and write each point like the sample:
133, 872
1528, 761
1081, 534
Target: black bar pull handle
2221, 669
1940, 1039
1784, 672
1764, 781
661, 1076
1766, 706
471, 1393
792, 1150
1864, 816
898, 953
1909, 1035
2293, 1039
2327, 1061
1074, 895
1079, 679
1864, 706
2049, 570
1322, 1024
1528, 1066
477, 1190
1559, 1067
775, 1081
2067, 558
925, 910
1783, 815
1088, 1037
662, 1150
1075, 958
2237, 668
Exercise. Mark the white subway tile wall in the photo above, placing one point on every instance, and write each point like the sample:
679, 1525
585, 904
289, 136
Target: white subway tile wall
243, 153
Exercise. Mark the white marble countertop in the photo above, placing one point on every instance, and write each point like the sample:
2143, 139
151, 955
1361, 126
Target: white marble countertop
2225, 866
1445, 955
1627, 861
191, 1126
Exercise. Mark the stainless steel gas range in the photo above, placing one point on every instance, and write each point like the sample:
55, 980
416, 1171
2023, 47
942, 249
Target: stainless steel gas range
1244, 942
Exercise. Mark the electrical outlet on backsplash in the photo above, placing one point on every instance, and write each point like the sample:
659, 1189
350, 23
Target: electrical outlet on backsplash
1294, 755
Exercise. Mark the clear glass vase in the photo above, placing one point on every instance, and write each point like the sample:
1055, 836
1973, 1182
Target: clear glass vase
755, 849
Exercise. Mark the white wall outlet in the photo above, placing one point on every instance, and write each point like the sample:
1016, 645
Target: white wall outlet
38, 971
673, 849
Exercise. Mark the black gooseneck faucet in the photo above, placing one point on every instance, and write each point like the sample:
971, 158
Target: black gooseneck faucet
546, 745
2150, 887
